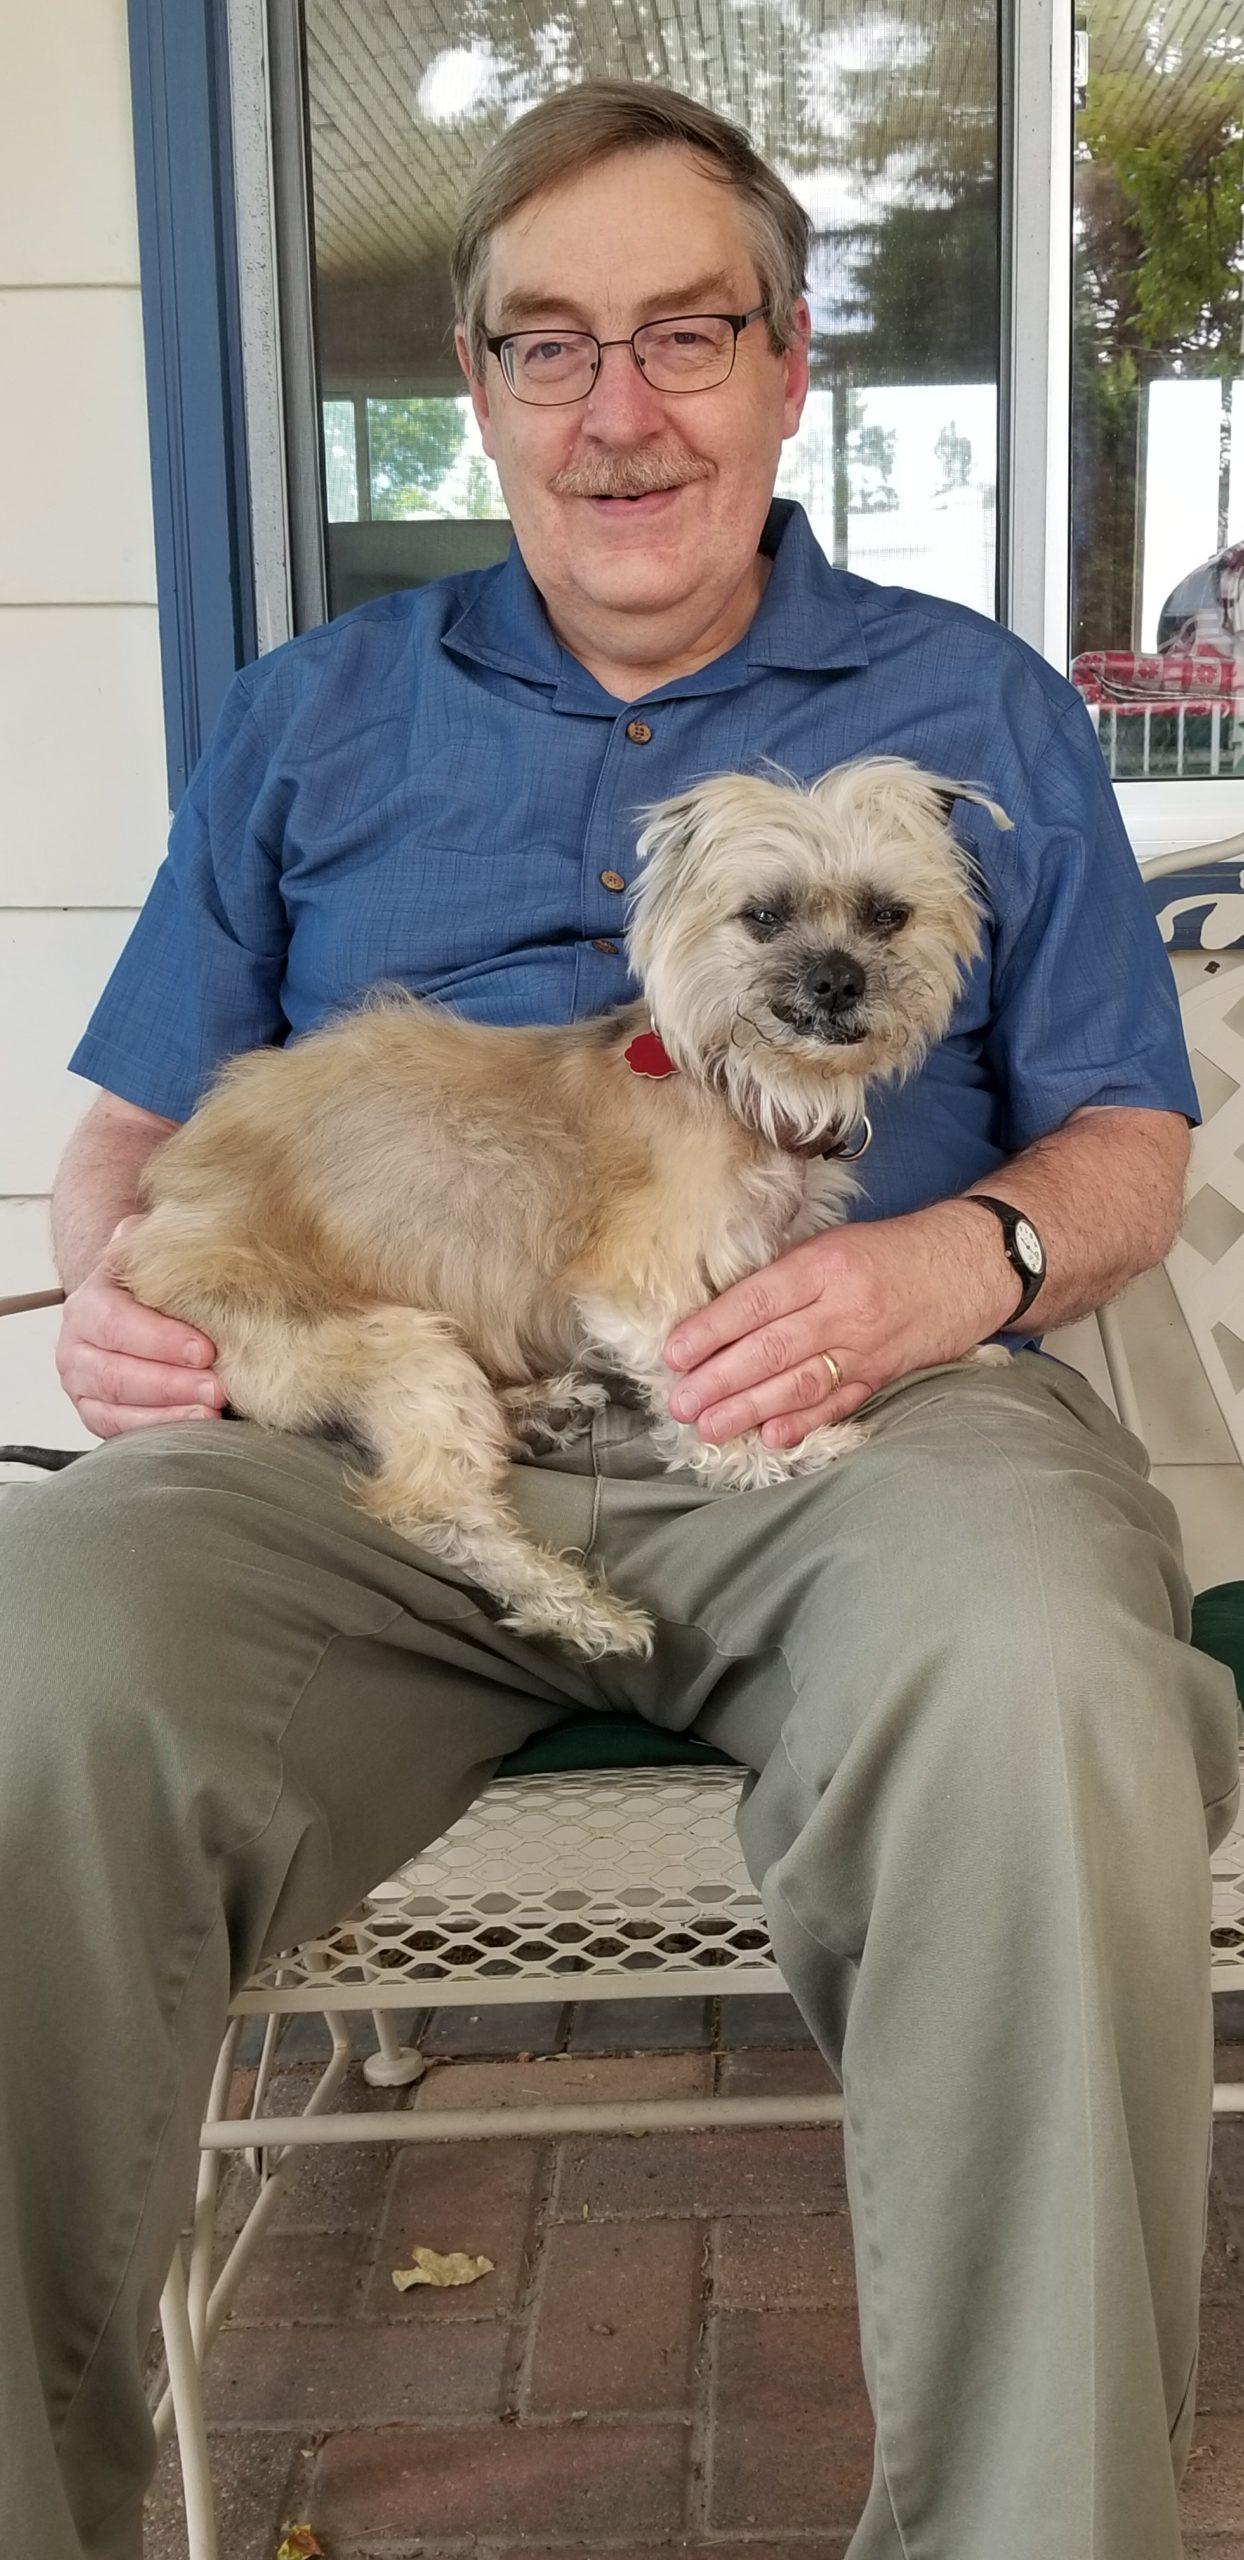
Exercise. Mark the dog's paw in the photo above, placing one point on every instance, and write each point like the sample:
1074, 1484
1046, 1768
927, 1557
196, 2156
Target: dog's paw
832, 1440
745, 1465
594, 1626
554, 1412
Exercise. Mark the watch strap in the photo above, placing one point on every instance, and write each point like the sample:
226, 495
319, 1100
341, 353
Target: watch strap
1009, 1218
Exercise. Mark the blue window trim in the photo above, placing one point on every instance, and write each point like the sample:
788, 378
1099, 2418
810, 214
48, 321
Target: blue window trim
179, 71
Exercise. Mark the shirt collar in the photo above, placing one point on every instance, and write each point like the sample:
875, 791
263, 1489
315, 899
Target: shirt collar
805, 618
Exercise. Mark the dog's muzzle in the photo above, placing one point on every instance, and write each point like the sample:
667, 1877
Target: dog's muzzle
824, 1003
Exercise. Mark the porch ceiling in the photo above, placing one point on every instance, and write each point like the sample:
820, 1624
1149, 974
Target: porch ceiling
392, 164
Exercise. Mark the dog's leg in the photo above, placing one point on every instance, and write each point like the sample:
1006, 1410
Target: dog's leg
403, 1386
553, 1411
633, 1339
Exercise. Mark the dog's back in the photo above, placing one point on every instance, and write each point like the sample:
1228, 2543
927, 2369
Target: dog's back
398, 1155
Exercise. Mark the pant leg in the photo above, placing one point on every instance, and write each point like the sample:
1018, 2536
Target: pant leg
229, 1704
989, 1767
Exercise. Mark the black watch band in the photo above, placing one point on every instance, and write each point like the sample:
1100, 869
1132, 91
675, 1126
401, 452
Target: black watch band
1024, 1249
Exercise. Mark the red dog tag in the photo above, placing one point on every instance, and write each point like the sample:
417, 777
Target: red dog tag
648, 1056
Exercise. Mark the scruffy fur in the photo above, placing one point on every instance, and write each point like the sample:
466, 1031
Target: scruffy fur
420, 1233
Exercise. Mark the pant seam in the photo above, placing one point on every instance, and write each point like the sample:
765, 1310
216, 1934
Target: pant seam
1213, 1803
247, 1842
1040, 1591
876, 2259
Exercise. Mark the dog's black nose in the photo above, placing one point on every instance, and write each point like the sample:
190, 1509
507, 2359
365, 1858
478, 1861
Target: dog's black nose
833, 980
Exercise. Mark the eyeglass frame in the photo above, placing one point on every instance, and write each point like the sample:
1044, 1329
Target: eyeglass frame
737, 320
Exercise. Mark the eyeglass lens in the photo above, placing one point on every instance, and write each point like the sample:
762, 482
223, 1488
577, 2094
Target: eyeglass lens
675, 355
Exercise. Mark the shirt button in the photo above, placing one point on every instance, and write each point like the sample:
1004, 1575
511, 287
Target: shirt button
613, 880
638, 732
604, 946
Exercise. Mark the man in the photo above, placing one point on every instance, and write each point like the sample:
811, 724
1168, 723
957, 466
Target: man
957, 1667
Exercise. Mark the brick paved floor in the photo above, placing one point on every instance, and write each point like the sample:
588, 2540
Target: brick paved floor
666, 2359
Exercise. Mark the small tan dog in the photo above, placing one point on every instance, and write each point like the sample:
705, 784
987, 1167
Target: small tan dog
417, 1233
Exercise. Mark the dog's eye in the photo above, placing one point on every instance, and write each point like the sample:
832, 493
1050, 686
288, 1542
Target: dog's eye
886, 917
763, 921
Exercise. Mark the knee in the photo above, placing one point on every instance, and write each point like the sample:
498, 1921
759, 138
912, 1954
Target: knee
85, 1602
1036, 1605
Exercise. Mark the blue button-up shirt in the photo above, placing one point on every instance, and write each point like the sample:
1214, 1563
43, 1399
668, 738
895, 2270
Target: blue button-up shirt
431, 790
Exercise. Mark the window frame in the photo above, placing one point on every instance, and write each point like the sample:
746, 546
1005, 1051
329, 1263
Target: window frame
224, 202
184, 177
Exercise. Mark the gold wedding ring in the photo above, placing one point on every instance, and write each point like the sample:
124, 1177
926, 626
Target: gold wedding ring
835, 1373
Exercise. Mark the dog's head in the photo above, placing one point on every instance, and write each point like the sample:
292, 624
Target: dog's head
796, 944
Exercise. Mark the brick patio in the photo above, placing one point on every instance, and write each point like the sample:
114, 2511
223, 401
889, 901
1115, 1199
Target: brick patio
666, 2359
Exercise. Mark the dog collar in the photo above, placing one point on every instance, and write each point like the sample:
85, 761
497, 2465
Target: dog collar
847, 1154
648, 1055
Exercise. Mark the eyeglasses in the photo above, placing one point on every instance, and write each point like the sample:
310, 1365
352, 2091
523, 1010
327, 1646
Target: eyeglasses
551, 368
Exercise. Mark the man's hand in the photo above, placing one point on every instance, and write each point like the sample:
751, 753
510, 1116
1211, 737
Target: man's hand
124, 1366
882, 1296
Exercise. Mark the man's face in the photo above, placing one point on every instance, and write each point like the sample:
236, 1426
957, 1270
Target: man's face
641, 236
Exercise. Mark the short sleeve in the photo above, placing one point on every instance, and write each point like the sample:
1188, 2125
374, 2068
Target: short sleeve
1085, 1008
201, 974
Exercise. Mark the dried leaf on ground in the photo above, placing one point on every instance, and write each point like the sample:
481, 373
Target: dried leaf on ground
430, 2267
300, 2544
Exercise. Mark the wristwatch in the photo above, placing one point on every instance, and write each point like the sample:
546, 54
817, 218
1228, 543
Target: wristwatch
1024, 1249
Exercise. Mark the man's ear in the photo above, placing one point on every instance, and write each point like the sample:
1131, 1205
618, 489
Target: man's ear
479, 396
796, 365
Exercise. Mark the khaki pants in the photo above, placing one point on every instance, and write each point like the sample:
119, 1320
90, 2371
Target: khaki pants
985, 1765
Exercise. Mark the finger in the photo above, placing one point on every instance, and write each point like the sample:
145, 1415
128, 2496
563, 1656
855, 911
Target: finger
768, 1296
802, 1390
759, 1358
109, 1421
791, 1428
109, 1379
111, 1320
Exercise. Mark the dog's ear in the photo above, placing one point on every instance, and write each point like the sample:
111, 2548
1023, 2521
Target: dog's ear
946, 794
669, 825
901, 783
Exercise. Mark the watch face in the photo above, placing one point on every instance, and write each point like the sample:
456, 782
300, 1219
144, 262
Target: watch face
1028, 1245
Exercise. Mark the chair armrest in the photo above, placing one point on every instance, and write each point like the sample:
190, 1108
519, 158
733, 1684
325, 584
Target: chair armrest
35, 1298
1119, 1367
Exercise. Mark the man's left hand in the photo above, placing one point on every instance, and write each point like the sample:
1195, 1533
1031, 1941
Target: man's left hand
882, 1296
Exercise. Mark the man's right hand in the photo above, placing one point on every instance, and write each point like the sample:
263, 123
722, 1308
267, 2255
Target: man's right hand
123, 1366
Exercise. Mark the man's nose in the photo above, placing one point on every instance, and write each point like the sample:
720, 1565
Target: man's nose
621, 402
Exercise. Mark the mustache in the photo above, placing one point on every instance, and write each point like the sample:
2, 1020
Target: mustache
628, 475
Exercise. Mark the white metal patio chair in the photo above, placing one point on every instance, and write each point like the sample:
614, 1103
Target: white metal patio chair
602, 1860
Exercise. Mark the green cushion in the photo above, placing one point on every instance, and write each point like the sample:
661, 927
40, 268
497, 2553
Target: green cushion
1218, 1627
615, 1739
620, 1740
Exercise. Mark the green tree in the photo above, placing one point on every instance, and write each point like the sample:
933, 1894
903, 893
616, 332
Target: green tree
1159, 292
954, 452
870, 460
413, 445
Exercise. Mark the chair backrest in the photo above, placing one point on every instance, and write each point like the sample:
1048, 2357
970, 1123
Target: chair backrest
1206, 1262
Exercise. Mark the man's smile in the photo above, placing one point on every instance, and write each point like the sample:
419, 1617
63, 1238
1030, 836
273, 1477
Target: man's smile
652, 502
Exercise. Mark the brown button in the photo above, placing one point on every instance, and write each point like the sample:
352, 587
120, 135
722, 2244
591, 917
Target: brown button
638, 732
604, 946
613, 880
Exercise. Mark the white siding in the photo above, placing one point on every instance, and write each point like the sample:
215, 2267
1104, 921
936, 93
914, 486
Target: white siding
83, 814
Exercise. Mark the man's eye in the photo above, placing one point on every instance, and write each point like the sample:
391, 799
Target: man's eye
763, 921
887, 919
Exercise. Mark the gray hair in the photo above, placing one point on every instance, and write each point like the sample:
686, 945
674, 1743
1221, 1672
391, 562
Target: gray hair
593, 120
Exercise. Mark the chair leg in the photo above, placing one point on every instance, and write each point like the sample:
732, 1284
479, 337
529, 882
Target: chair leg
184, 2384
396, 2065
